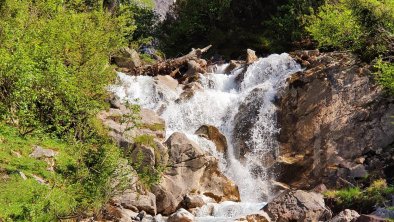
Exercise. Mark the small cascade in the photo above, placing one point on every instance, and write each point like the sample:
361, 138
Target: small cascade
218, 104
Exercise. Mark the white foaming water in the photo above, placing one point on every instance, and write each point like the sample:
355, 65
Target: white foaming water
217, 104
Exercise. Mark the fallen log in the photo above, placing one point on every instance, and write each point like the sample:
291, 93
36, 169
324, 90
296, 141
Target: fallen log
190, 62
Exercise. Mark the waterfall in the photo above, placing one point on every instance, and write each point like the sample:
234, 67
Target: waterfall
218, 104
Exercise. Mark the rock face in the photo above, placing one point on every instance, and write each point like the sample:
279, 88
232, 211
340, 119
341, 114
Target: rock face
331, 115
212, 133
115, 120
299, 206
191, 171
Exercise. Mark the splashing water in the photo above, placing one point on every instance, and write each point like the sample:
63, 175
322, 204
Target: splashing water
217, 104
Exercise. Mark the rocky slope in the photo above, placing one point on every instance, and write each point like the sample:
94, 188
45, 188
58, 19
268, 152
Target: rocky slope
336, 123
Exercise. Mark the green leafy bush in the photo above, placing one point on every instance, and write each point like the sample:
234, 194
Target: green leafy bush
80, 183
54, 66
363, 26
335, 26
385, 74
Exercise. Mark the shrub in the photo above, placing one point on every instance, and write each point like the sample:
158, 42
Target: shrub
363, 26
361, 200
385, 74
335, 26
54, 66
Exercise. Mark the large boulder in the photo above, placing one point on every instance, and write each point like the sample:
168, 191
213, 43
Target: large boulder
130, 199
298, 205
335, 122
191, 171
181, 215
212, 133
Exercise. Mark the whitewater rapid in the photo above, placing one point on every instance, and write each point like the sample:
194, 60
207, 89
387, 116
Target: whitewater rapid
217, 104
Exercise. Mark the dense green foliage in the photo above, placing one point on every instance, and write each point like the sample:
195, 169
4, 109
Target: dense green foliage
79, 183
231, 26
363, 26
361, 200
54, 66
54, 70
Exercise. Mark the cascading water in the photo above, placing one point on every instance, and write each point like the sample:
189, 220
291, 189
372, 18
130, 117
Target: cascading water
217, 104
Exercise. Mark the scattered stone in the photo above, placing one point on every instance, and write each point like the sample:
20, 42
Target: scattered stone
345, 216
212, 133
360, 160
358, 171
40, 152
250, 56
321, 188
39, 179
22, 175
17, 154
258, 217
181, 215
298, 205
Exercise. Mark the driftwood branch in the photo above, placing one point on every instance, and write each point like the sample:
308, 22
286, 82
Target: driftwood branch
191, 61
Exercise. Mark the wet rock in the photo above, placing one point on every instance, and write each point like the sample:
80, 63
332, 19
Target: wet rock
166, 83
127, 58
345, 216
234, 64
116, 213
212, 133
181, 215
370, 218
192, 171
258, 217
131, 199
330, 114
189, 91
299, 206
250, 56
193, 201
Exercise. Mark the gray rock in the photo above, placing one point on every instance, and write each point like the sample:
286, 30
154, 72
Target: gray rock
384, 213
127, 58
333, 110
358, 171
40, 152
181, 215
131, 200
250, 56
370, 218
212, 133
298, 206
345, 216
192, 171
